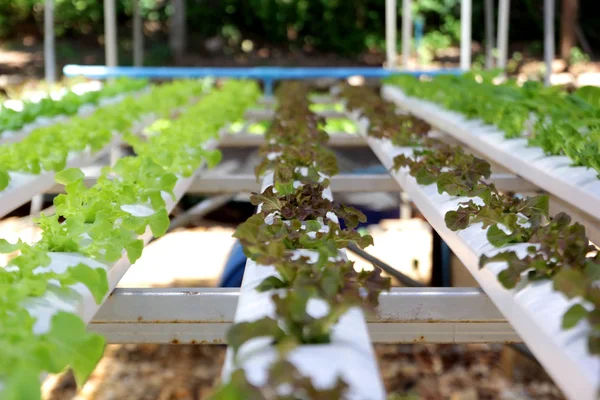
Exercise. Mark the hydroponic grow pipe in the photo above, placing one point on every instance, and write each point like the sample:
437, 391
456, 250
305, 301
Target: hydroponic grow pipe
266, 74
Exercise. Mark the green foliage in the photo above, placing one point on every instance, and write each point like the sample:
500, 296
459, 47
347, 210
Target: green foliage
300, 217
559, 250
348, 27
69, 104
558, 122
103, 222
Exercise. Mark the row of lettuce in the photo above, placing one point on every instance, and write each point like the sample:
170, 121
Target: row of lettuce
559, 122
68, 104
98, 223
296, 218
50, 148
556, 248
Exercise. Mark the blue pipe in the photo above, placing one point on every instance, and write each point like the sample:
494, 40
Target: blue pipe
263, 73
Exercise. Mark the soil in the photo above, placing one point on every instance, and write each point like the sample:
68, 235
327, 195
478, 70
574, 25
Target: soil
421, 371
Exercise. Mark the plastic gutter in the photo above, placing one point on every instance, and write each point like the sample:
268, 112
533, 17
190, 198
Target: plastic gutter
535, 311
578, 186
350, 354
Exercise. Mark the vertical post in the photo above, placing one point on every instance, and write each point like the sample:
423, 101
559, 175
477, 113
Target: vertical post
391, 12
503, 15
268, 87
138, 35
568, 27
37, 202
419, 26
465, 34
406, 31
489, 33
405, 207
49, 53
548, 39
110, 33
178, 30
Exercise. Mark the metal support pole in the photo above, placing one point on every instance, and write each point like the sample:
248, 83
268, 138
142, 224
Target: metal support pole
548, 39
441, 274
37, 202
406, 31
138, 35
465, 34
49, 51
268, 88
390, 32
489, 33
503, 16
405, 207
110, 33
178, 30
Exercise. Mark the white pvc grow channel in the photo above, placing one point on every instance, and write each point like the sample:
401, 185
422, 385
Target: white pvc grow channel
349, 355
535, 311
578, 186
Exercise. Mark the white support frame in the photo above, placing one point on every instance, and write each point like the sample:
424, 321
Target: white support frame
251, 140
49, 47
548, 39
110, 33
465, 34
391, 32
503, 19
489, 33
203, 315
138, 34
407, 24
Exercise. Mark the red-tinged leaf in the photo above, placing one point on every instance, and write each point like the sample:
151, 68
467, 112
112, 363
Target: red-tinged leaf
570, 282
242, 332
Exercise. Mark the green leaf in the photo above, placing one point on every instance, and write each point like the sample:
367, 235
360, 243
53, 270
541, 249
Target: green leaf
159, 222
498, 237
457, 220
94, 279
134, 250
4, 179
68, 176
536, 205
570, 282
23, 383
270, 283
81, 350
213, 158
573, 315
6, 247
268, 198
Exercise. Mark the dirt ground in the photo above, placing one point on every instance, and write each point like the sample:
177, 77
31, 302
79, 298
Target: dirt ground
428, 372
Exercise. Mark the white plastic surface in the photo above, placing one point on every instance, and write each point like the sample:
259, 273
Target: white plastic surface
578, 186
535, 311
349, 355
